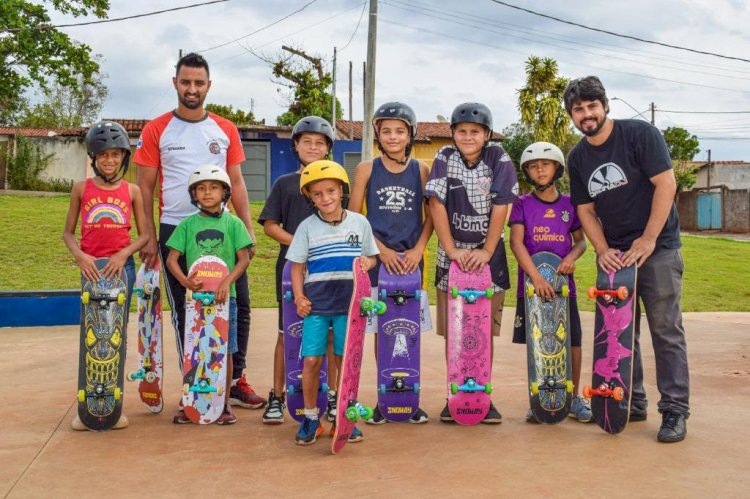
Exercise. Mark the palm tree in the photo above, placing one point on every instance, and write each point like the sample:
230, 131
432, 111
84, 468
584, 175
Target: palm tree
541, 102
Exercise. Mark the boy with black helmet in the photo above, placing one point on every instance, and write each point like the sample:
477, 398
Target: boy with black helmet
285, 209
391, 189
546, 220
213, 231
322, 251
470, 187
108, 146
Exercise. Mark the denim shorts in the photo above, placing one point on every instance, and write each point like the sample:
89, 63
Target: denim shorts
315, 334
232, 345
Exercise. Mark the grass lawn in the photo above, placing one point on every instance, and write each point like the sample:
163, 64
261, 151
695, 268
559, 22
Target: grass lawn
33, 257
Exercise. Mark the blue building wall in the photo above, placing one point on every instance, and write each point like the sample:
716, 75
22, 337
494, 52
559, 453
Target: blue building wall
342, 146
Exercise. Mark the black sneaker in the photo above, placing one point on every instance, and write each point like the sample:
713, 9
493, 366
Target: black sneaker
274, 413
376, 418
530, 417
493, 416
331, 407
673, 427
638, 411
419, 417
445, 416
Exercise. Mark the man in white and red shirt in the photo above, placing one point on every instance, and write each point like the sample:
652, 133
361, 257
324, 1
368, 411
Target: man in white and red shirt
170, 148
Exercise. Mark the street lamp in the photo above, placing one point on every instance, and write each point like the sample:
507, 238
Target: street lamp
638, 113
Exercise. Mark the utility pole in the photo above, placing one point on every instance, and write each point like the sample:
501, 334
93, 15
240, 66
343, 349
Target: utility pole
351, 116
372, 35
653, 111
708, 170
333, 93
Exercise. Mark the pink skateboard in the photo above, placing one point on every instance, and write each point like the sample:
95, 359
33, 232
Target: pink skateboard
204, 365
469, 344
348, 407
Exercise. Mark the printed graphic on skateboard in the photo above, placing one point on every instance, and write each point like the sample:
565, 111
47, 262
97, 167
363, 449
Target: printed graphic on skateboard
398, 344
349, 409
293, 361
204, 365
548, 343
469, 344
612, 376
101, 360
149, 372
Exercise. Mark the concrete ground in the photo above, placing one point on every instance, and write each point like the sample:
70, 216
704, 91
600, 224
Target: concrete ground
41, 456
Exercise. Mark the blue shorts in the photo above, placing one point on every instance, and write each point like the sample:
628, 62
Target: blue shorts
232, 345
315, 334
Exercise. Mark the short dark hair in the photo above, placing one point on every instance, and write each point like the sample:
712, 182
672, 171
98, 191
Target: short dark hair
588, 88
192, 60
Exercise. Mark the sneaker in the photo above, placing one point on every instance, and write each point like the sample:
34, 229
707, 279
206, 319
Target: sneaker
376, 418
180, 417
331, 409
241, 394
275, 411
673, 427
121, 423
309, 431
419, 417
78, 425
530, 417
227, 417
493, 416
445, 415
638, 411
580, 410
356, 436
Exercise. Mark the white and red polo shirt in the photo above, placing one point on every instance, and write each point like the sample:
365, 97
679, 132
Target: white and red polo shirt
177, 147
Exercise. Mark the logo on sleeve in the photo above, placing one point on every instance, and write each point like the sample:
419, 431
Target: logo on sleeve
605, 178
214, 147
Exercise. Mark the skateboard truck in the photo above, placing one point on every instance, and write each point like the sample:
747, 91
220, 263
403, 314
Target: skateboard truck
471, 295
203, 386
399, 385
102, 300
550, 384
471, 385
399, 296
564, 291
605, 390
609, 295
206, 298
356, 410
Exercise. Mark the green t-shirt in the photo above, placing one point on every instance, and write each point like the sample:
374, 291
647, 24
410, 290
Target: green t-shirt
199, 235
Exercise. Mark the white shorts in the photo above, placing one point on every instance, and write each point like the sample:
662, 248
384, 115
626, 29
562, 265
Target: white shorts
425, 320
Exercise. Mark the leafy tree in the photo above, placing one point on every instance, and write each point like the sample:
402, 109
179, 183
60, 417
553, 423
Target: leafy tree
237, 116
541, 102
32, 51
307, 83
682, 149
517, 138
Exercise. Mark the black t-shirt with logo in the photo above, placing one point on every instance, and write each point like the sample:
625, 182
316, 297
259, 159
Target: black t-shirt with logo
615, 176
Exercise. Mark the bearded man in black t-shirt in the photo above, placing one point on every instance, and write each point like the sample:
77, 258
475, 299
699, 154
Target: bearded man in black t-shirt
623, 185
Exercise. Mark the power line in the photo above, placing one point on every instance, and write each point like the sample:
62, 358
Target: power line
261, 29
704, 112
619, 34
102, 21
364, 5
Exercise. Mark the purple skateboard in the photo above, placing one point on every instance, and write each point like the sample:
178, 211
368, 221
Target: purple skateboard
612, 377
398, 345
348, 407
469, 337
293, 360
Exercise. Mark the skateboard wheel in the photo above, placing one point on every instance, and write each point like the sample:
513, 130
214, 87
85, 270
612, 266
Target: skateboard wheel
383, 294
366, 413
150, 377
290, 390
324, 387
131, 376
417, 388
220, 391
488, 388
489, 292
352, 414
592, 292
529, 290
188, 294
185, 389
569, 386
454, 292
380, 307
121, 299
288, 296
85, 297
534, 388
148, 289
618, 393
118, 393
418, 294
366, 304
454, 388
382, 389
565, 291
81, 395
622, 292
587, 392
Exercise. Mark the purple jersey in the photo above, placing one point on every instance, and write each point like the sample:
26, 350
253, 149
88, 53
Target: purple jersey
546, 227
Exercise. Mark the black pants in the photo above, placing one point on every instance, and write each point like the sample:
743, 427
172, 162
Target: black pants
176, 297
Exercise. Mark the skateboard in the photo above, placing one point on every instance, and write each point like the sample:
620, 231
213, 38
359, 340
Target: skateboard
293, 359
612, 376
204, 365
398, 344
150, 367
548, 343
469, 344
349, 409
102, 352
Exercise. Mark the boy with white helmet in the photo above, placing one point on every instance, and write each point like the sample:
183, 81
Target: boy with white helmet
546, 211
210, 190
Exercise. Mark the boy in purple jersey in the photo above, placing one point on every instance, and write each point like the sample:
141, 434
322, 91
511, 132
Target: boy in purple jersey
470, 186
546, 220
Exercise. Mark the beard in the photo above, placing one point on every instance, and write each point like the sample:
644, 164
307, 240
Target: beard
192, 104
591, 132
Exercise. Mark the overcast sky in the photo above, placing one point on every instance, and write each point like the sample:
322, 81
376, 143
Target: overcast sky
436, 54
